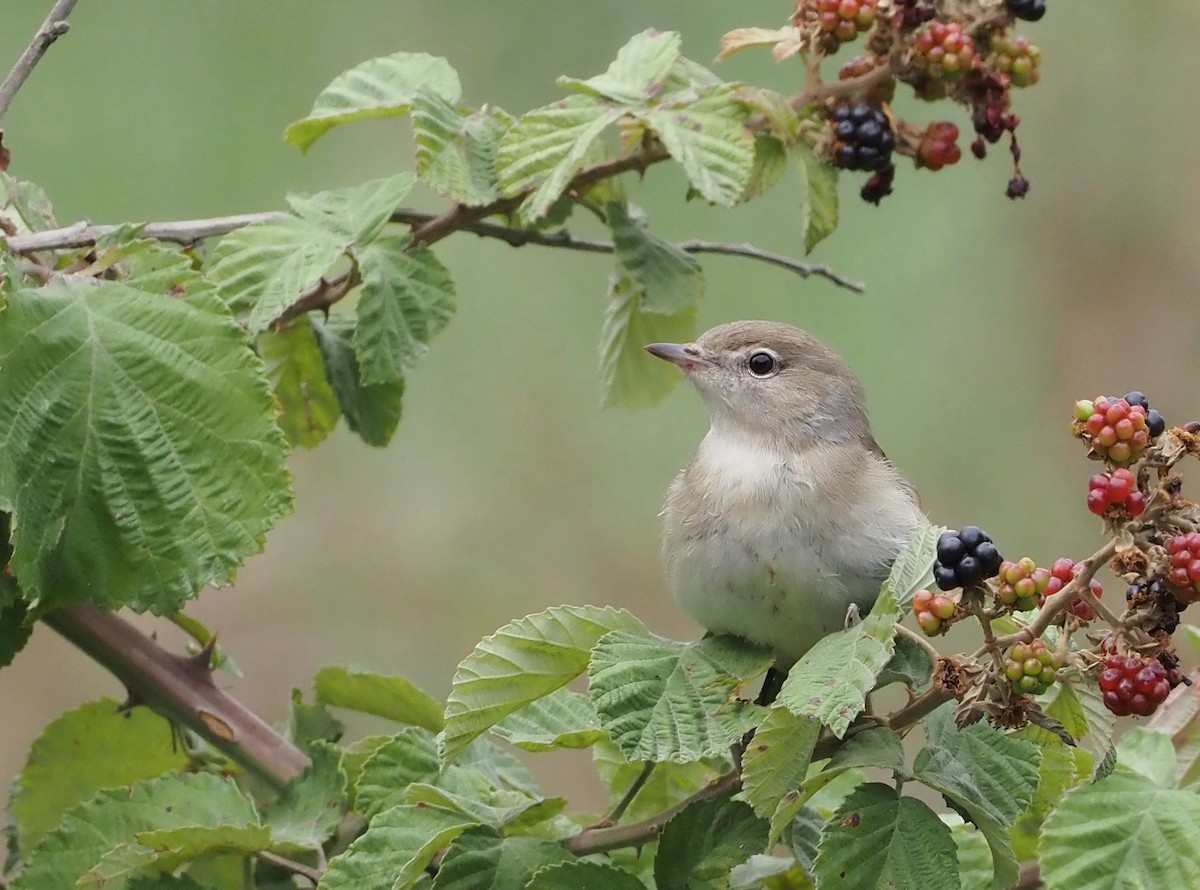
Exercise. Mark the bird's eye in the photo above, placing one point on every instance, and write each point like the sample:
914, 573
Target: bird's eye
762, 364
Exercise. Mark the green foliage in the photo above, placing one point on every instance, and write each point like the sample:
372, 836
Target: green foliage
777, 762
702, 844
308, 408
371, 410
395, 698
482, 860
562, 719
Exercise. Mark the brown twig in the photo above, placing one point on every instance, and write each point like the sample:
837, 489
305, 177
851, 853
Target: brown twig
631, 792
54, 27
85, 234
1030, 878
182, 689
310, 874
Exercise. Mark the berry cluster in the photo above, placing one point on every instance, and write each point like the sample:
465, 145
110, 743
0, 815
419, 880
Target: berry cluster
1021, 584
965, 558
1118, 430
944, 51
1017, 58
1031, 668
1184, 551
839, 21
1117, 489
864, 137
933, 611
914, 13
939, 146
1029, 10
1134, 685
1061, 574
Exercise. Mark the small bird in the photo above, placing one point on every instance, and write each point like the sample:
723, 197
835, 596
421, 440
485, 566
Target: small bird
789, 515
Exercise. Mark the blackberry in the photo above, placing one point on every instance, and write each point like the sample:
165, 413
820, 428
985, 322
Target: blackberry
879, 186
864, 137
1029, 10
965, 558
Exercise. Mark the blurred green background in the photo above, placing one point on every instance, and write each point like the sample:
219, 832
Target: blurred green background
507, 489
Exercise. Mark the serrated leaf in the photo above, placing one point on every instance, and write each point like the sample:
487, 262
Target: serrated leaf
394, 850
15, 628
391, 697
1122, 833
667, 785
309, 810
775, 108
562, 719
990, 776
1179, 717
770, 163
821, 198
407, 298
709, 138
264, 268
500, 766
833, 678
701, 845
380, 87
479, 859
877, 747
408, 757
913, 568
501, 811
92, 747
974, 856
764, 872
631, 377
522, 662
153, 266
357, 213
638, 73
456, 152
667, 701
372, 412
25, 206
689, 74
911, 665
777, 758
1150, 753
91, 829
670, 280
164, 850
1059, 770
310, 723
805, 839
584, 876
546, 147
745, 38
878, 839
308, 408
140, 458
1100, 723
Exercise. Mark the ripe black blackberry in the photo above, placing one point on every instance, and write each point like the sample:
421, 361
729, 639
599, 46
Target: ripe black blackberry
1155, 423
1029, 10
864, 137
965, 558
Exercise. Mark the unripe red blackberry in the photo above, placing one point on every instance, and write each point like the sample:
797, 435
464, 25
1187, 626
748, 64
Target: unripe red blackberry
864, 137
1118, 430
1115, 495
1133, 685
839, 21
1022, 584
1017, 58
1184, 575
933, 611
944, 51
939, 146
1031, 668
1062, 573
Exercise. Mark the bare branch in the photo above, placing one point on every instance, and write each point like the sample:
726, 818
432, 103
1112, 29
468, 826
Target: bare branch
185, 231
54, 27
312, 875
180, 688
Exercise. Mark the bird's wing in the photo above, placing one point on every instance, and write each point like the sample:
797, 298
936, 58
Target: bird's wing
874, 448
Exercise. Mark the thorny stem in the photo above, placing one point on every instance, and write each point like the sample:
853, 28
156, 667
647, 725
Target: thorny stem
310, 874
54, 27
627, 798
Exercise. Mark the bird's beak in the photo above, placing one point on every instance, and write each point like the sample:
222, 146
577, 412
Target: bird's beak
686, 355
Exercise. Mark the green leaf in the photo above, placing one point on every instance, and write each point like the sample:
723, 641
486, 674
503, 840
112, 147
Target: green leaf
92, 747
832, 680
668, 701
456, 153
776, 110
152, 266
502, 811
670, 280
877, 747
821, 198
310, 809
25, 206
381, 87
357, 213
140, 457
913, 568
373, 412
668, 784
1059, 770
113, 817
1150, 753
521, 662
266, 267
974, 856
308, 408
410, 756
777, 759
763, 872
500, 766
638, 73
878, 839
990, 776
701, 845
770, 163
630, 376
407, 298
479, 859
709, 138
562, 719
394, 698
394, 850
805, 832
545, 148
911, 665
164, 850
1122, 833
312, 723
583, 876
15, 626
1180, 719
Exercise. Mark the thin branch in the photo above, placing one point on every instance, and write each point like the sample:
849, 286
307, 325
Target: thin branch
185, 231
627, 798
182, 689
1030, 878
54, 27
309, 873
920, 639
